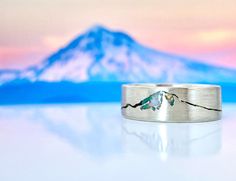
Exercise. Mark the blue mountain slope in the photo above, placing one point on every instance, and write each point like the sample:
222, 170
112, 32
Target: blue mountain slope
109, 58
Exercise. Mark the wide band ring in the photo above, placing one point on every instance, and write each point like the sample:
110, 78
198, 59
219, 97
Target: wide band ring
171, 102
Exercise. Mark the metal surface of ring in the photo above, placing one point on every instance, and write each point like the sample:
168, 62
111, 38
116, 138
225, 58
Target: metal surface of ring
171, 102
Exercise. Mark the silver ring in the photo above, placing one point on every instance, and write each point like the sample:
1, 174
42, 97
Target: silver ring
171, 102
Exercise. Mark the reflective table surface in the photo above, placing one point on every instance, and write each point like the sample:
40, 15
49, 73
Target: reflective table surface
78, 142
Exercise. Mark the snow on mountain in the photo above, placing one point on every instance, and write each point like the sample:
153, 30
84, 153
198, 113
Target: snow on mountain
103, 55
8, 75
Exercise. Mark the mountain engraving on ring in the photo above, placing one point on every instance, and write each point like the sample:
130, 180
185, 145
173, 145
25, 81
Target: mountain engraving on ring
154, 102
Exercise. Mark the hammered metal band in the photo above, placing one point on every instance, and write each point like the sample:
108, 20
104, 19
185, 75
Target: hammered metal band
171, 102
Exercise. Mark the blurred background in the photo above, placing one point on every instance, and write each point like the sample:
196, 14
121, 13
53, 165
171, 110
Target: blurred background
83, 50
55, 54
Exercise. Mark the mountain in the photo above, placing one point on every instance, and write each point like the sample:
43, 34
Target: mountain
104, 55
101, 58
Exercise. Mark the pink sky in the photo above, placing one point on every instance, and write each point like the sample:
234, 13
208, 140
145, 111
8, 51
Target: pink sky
204, 29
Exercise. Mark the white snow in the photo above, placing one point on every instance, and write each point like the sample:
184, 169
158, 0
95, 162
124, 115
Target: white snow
72, 70
6, 77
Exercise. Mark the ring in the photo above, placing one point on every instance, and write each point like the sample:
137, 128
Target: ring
171, 102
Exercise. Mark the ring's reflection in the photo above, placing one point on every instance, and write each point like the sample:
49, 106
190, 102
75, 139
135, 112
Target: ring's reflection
173, 139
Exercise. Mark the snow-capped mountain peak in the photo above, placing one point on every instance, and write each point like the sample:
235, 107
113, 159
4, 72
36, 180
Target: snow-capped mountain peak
97, 55
100, 54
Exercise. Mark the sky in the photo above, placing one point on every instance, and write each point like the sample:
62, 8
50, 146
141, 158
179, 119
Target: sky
205, 30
